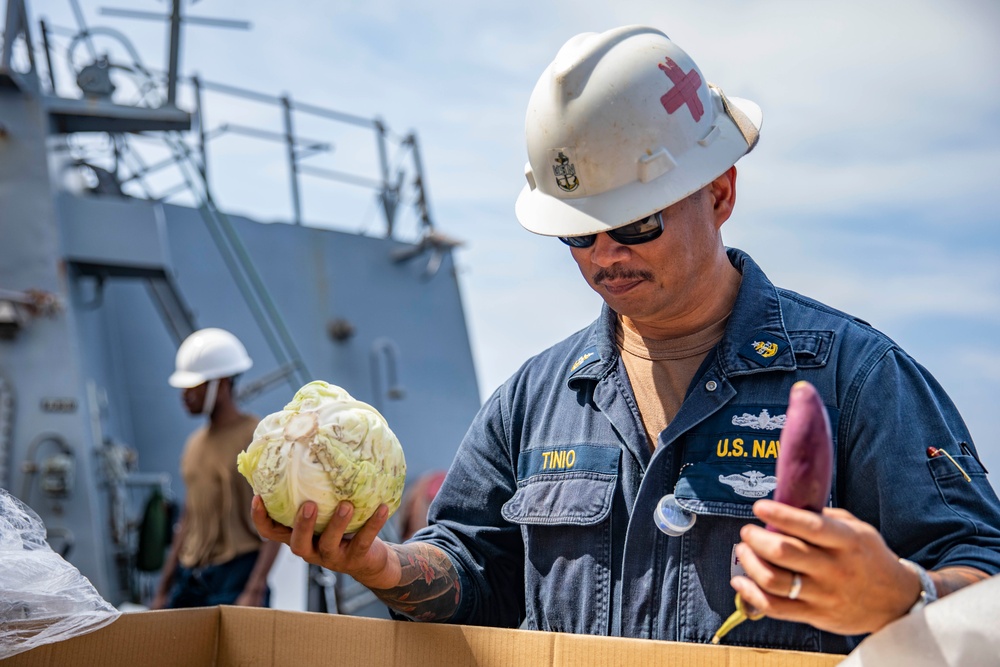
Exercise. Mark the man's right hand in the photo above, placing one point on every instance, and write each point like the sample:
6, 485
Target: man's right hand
416, 579
363, 556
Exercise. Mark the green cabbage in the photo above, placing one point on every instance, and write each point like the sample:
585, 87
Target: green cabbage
325, 446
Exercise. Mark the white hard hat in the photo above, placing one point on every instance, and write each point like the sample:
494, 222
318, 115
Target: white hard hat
621, 125
209, 354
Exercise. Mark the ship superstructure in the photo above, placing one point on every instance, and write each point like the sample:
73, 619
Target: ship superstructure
113, 249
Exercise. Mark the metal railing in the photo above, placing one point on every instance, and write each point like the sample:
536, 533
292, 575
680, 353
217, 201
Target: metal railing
129, 169
399, 162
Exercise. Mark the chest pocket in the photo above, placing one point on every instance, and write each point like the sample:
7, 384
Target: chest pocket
563, 505
729, 461
569, 485
570, 499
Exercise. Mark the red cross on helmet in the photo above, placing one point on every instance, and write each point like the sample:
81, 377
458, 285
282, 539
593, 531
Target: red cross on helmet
623, 124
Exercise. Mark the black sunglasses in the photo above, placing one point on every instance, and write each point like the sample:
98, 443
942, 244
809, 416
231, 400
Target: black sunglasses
634, 233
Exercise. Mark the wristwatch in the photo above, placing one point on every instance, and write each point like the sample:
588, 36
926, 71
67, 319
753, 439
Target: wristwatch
928, 591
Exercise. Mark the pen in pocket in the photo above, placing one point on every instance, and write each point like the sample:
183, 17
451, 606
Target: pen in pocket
934, 452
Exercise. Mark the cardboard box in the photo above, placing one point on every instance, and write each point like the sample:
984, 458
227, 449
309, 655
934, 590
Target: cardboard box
223, 636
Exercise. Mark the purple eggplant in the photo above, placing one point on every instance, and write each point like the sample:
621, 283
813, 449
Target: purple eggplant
804, 471
805, 462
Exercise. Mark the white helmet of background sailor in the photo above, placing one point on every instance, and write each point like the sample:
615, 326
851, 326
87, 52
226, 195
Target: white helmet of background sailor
209, 354
621, 125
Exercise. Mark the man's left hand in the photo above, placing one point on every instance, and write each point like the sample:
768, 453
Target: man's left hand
851, 582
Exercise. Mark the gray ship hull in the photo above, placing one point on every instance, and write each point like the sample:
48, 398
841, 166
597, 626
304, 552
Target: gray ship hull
97, 289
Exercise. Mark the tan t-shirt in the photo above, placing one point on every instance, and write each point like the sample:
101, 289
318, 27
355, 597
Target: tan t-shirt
217, 502
661, 370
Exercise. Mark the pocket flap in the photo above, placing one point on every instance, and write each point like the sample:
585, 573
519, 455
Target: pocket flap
724, 489
812, 348
572, 499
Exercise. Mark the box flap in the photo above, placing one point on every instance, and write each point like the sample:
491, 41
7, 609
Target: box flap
151, 638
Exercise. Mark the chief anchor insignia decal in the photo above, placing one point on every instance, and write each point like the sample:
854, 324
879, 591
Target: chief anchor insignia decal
763, 421
752, 484
765, 348
565, 173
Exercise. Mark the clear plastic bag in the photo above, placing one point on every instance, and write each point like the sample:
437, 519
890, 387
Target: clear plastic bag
43, 598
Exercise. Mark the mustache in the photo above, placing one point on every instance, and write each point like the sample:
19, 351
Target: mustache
618, 273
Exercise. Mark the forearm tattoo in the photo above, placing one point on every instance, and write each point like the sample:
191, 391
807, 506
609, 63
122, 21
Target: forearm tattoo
951, 579
428, 587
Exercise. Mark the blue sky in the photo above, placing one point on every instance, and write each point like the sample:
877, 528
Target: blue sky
872, 189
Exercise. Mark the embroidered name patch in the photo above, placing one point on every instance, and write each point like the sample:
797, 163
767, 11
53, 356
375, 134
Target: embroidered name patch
568, 458
750, 433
